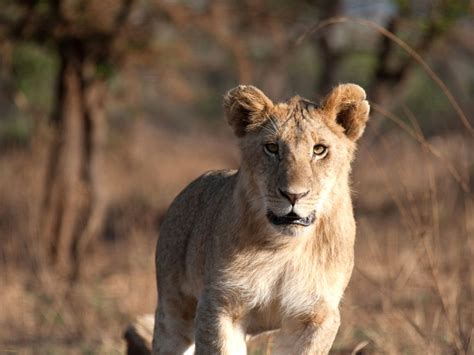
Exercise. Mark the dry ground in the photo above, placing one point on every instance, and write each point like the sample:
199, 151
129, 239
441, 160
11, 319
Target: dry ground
411, 291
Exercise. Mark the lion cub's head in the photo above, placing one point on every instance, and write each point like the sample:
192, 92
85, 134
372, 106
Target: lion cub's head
296, 154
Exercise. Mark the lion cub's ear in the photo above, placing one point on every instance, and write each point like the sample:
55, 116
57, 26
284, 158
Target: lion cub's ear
246, 107
346, 104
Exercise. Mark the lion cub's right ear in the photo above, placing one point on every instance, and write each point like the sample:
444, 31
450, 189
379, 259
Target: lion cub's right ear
246, 107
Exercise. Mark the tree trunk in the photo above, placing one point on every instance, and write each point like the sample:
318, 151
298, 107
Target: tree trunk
73, 207
96, 204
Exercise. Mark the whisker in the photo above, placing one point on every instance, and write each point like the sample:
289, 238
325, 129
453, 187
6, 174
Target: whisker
269, 130
257, 198
306, 203
274, 124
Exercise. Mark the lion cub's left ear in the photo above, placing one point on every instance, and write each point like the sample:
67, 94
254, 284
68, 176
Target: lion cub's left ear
246, 107
347, 105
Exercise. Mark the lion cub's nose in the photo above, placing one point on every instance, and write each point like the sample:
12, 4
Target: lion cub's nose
293, 197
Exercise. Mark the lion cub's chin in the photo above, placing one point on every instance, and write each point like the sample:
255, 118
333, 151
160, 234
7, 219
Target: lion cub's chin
293, 231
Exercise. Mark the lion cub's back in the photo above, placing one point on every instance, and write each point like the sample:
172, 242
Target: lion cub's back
189, 221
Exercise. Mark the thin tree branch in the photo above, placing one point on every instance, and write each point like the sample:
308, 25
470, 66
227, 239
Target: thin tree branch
402, 44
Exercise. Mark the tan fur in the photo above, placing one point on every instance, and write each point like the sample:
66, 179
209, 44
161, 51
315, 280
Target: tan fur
225, 270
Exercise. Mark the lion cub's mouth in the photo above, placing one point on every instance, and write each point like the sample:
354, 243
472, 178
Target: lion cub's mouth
291, 218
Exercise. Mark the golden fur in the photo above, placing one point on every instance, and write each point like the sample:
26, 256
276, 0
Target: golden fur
228, 261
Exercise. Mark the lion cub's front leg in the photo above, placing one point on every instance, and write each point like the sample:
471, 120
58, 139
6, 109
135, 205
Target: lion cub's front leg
310, 335
217, 331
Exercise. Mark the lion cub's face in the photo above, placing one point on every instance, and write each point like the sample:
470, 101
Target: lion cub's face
294, 153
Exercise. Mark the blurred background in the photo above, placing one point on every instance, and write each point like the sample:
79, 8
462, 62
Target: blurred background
108, 108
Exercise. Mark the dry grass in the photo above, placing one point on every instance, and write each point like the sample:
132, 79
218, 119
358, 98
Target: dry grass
411, 291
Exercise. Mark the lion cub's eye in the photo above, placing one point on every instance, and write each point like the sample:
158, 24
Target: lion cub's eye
319, 150
271, 148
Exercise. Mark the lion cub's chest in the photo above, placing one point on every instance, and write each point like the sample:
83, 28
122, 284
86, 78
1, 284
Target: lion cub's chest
276, 286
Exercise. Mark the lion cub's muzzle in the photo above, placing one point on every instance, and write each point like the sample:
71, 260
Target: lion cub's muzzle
290, 213
291, 219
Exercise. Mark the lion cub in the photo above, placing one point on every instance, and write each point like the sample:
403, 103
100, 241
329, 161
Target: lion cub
271, 245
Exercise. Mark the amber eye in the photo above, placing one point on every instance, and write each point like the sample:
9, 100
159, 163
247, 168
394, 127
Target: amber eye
319, 150
271, 148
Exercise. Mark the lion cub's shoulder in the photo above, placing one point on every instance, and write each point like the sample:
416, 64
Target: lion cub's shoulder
212, 181
203, 193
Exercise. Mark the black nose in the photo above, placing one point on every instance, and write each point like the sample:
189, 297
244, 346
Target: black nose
293, 197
